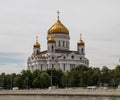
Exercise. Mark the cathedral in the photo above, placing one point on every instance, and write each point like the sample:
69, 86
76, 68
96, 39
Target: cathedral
58, 54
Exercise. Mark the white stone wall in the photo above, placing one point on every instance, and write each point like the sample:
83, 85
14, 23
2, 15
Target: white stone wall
65, 62
62, 38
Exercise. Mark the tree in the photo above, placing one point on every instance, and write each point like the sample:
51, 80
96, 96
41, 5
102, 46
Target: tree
18, 81
65, 79
2, 80
36, 83
36, 80
95, 75
78, 76
105, 76
74, 80
56, 77
116, 73
44, 80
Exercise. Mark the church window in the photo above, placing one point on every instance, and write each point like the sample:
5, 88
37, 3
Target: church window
82, 50
52, 48
37, 51
63, 44
59, 44
52, 57
72, 57
66, 44
80, 58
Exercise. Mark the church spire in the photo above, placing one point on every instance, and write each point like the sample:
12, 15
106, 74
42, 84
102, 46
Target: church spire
80, 36
36, 38
36, 45
58, 14
80, 42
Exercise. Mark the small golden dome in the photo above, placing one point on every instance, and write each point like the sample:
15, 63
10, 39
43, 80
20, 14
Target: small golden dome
36, 45
58, 27
80, 42
51, 39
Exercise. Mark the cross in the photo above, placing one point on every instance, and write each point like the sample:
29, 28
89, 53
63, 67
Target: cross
58, 14
36, 38
80, 36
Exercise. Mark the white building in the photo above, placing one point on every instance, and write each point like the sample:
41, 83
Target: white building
58, 54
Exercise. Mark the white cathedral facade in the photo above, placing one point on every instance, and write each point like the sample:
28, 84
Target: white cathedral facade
58, 54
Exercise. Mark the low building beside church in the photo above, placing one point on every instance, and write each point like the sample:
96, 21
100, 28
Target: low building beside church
58, 54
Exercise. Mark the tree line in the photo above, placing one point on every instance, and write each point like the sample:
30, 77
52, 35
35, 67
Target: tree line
80, 76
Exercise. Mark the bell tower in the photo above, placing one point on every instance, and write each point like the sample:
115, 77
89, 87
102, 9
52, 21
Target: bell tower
81, 46
51, 44
36, 47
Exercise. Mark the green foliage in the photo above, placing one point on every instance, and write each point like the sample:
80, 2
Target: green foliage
18, 81
56, 77
116, 73
65, 80
80, 76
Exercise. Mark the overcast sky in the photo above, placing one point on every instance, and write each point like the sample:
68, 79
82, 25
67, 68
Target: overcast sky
22, 20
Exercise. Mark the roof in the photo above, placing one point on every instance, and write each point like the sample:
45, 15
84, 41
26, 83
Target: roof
42, 54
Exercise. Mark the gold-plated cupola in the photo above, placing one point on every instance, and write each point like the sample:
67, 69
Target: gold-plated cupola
36, 45
80, 42
51, 39
58, 28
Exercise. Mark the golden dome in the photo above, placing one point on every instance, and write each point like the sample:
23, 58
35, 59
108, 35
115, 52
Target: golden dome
58, 27
80, 42
51, 39
36, 45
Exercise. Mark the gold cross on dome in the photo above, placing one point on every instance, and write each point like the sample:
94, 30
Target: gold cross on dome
36, 38
80, 36
58, 14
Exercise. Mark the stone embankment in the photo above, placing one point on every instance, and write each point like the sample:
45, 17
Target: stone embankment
61, 94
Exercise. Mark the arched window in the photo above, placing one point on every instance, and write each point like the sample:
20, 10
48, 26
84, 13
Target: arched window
63, 44
82, 50
37, 51
59, 44
80, 58
66, 44
72, 57
52, 48
52, 57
